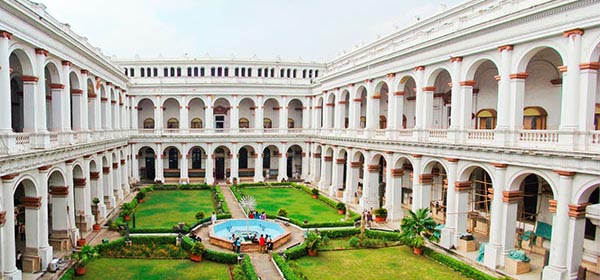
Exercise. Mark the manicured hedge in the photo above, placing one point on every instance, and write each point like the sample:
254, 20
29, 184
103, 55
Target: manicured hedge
457, 265
175, 187
340, 233
210, 255
285, 268
248, 269
296, 252
383, 235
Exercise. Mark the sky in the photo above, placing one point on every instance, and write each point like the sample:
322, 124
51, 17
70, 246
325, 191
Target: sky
293, 30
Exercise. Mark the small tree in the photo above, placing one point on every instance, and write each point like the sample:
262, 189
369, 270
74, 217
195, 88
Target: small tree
199, 215
312, 242
416, 227
282, 212
83, 257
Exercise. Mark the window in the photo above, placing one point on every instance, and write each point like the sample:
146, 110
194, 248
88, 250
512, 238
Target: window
294, 73
195, 71
132, 72
249, 72
196, 158
165, 72
212, 71
382, 122
260, 72
149, 72
149, 123
173, 158
244, 123
304, 74
267, 123
226, 74
189, 71
282, 73
173, 123
142, 72
534, 118
219, 122
289, 73
196, 123
202, 72
172, 72
155, 72
316, 73
597, 117
236, 72
404, 121
272, 72
243, 162
219, 71
486, 119
178, 71
243, 72
363, 121
290, 123
126, 72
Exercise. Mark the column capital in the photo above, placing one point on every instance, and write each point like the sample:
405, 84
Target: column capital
44, 168
67, 63
420, 68
32, 202
399, 93
328, 158
373, 167
6, 34
463, 186
500, 165
468, 83
426, 178
29, 79
431, 88
316, 155
391, 75
397, 172
84, 72
452, 159
355, 164
456, 59
40, 51
340, 160
519, 76
57, 86
577, 211
576, 31
512, 196
9, 177
59, 190
79, 182
505, 48
564, 173
552, 207
589, 66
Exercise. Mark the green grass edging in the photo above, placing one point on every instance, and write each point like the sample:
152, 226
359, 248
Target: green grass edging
457, 265
284, 267
248, 269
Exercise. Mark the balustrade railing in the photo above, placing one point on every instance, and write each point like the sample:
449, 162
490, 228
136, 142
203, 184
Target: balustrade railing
437, 133
23, 138
539, 136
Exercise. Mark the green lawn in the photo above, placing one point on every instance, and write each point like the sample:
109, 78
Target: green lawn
167, 208
387, 263
104, 268
299, 204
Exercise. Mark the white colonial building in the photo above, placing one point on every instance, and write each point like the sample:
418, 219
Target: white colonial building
487, 113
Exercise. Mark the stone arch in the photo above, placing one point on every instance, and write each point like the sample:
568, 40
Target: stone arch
524, 55
171, 111
473, 65
514, 181
30, 184
25, 60
583, 194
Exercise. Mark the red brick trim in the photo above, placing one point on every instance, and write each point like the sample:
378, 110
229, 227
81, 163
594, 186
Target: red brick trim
59, 190
456, 59
512, 196
564, 173
426, 178
428, 88
469, 83
552, 207
589, 66
519, 76
6, 34
577, 211
30, 79
576, 31
32, 202
397, 172
420, 68
463, 186
505, 48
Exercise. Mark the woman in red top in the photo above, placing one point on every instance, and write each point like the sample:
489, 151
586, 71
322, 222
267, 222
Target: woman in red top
261, 244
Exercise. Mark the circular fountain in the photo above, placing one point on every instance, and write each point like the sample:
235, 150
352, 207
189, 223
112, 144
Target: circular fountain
221, 233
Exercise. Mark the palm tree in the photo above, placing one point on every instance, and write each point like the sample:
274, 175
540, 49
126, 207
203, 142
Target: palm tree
416, 227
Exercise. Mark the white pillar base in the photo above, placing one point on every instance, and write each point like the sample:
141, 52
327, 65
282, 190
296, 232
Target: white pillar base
493, 256
12, 275
119, 194
102, 211
332, 191
553, 273
184, 180
89, 221
396, 215
46, 255
448, 236
210, 180
110, 202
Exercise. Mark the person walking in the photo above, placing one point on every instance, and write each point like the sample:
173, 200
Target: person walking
238, 244
233, 240
213, 218
261, 244
269, 246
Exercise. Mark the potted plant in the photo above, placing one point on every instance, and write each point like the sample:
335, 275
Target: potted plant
83, 257
197, 251
199, 215
416, 227
315, 193
341, 207
140, 196
312, 242
126, 210
95, 211
380, 214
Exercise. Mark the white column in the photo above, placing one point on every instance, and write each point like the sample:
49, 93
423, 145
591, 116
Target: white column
557, 269
337, 176
504, 100
84, 102
5, 102
118, 190
209, 118
571, 78
235, 161
98, 107
419, 101
417, 184
394, 200
45, 250
124, 175
282, 166
370, 197
184, 166
66, 100
258, 163
8, 233
306, 114
575, 240
210, 163
283, 116
259, 115
305, 163
159, 169
450, 230
184, 122
326, 168
35, 119
58, 110
71, 211
235, 115
158, 116
77, 115
493, 251
351, 192
510, 204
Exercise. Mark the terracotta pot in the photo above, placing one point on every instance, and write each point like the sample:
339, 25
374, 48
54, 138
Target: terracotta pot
80, 270
126, 217
195, 258
140, 200
379, 219
312, 253
417, 251
81, 242
96, 227
315, 196
340, 211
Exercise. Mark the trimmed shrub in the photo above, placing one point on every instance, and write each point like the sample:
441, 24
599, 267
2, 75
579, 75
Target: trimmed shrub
282, 212
220, 257
354, 242
339, 233
296, 252
69, 274
248, 269
287, 271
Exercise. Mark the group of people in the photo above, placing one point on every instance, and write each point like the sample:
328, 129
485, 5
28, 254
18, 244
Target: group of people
255, 215
265, 243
